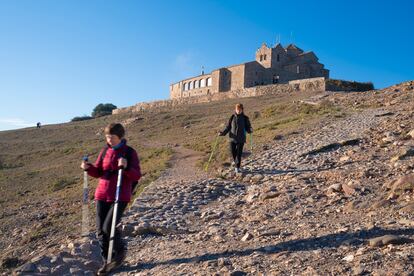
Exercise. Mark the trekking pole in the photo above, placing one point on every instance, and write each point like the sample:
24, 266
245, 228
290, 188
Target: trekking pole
251, 142
212, 153
112, 236
85, 202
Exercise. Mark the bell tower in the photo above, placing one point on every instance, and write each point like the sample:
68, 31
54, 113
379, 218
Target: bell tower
264, 56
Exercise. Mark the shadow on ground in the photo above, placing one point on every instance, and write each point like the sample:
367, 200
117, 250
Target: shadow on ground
328, 241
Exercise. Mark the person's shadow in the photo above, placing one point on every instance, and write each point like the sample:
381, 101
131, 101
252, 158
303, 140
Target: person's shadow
328, 241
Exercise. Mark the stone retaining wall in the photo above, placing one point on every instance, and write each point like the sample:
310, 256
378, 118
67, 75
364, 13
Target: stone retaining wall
313, 84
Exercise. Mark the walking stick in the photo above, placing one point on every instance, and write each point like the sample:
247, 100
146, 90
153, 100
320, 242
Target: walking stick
85, 202
251, 142
212, 153
112, 236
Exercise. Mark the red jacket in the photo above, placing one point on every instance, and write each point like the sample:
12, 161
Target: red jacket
107, 171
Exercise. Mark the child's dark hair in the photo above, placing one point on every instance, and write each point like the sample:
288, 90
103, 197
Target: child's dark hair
115, 129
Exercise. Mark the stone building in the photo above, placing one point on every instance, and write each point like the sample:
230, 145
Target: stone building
272, 66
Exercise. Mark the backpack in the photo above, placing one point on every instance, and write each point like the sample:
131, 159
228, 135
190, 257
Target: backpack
128, 154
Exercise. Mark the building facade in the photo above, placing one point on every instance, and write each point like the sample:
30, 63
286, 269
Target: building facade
273, 65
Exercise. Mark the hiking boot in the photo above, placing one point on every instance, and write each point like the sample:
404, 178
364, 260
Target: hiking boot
118, 260
103, 270
120, 257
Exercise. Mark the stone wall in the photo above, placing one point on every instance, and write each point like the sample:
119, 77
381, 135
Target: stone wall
313, 84
316, 84
233, 78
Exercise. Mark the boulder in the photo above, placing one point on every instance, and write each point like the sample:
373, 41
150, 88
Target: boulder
402, 184
388, 239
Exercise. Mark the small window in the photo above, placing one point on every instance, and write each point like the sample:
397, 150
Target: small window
297, 69
264, 57
278, 57
261, 57
208, 81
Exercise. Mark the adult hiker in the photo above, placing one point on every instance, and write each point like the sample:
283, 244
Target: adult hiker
38, 125
237, 127
115, 155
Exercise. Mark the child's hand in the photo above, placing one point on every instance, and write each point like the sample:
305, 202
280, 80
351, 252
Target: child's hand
84, 165
122, 162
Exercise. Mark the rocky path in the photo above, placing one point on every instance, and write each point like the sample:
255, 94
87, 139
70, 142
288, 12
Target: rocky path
300, 154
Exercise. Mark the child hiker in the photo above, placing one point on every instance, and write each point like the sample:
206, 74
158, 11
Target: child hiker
237, 127
114, 155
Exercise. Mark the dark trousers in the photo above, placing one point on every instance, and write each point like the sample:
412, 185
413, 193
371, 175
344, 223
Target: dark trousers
236, 150
104, 211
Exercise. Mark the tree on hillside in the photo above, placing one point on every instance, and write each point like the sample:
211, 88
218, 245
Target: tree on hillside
103, 109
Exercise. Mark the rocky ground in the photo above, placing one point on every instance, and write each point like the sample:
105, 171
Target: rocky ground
333, 199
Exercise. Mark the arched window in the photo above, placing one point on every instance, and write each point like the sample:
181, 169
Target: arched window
208, 81
191, 85
199, 83
203, 83
196, 84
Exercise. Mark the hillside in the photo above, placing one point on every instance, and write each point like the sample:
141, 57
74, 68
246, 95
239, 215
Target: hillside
315, 192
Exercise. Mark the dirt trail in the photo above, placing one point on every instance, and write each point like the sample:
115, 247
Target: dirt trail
182, 167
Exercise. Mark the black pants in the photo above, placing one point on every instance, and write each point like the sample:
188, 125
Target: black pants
104, 211
236, 150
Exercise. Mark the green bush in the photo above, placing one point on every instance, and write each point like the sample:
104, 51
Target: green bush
81, 118
342, 85
103, 109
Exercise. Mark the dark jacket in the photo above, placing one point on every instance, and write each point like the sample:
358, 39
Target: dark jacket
107, 170
237, 127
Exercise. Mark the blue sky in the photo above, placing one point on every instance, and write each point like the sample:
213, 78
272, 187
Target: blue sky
59, 59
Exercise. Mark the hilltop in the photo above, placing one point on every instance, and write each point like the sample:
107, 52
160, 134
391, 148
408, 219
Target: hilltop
331, 174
